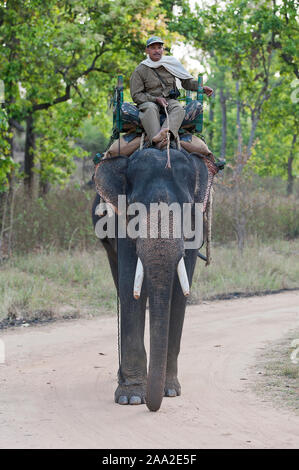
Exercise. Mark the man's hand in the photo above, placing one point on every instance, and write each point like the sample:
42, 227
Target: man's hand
207, 90
162, 102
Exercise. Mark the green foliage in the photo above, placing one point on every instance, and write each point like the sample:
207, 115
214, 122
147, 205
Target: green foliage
59, 52
275, 139
91, 139
254, 44
60, 59
55, 151
6, 162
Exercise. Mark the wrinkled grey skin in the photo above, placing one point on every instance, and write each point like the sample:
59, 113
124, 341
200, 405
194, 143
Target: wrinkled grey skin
144, 178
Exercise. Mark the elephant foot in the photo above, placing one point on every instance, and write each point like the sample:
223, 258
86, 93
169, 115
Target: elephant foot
130, 394
172, 388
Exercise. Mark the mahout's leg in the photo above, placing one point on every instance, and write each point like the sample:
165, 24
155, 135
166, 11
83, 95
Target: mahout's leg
176, 116
149, 115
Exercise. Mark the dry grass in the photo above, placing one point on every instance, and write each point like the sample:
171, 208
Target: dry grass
62, 219
261, 268
58, 284
276, 374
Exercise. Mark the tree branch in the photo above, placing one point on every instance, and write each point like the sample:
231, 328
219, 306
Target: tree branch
67, 94
288, 59
16, 125
60, 99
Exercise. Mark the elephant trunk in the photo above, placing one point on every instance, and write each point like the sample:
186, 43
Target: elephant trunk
159, 306
160, 260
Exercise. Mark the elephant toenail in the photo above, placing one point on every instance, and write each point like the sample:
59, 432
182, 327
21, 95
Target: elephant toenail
170, 392
135, 401
123, 400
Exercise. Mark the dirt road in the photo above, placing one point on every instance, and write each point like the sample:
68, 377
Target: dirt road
58, 381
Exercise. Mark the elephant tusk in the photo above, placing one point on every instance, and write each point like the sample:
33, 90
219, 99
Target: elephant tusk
138, 279
183, 277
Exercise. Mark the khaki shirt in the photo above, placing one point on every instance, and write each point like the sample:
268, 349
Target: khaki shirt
146, 86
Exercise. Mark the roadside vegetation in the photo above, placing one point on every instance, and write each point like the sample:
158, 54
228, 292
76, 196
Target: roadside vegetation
276, 372
51, 284
53, 266
61, 219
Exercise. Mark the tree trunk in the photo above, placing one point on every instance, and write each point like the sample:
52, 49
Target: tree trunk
29, 153
224, 124
43, 185
239, 216
290, 167
255, 116
44, 188
239, 166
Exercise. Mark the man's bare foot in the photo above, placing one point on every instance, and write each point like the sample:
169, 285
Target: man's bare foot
162, 135
162, 144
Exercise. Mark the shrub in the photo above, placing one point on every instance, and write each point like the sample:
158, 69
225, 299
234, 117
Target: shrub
62, 218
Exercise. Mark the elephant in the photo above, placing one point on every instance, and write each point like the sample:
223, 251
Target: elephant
144, 178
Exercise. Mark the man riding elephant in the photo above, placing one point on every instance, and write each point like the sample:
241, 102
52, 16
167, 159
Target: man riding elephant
157, 263
153, 87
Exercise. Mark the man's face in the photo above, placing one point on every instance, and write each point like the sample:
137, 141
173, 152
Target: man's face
155, 51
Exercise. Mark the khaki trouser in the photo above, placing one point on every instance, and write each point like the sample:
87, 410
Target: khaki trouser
150, 117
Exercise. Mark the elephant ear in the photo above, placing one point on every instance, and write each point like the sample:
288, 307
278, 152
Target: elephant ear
111, 179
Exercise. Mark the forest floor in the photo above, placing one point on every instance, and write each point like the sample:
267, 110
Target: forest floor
58, 381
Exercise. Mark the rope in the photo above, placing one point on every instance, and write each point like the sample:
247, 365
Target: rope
117, 291
168, 164
209, 227
117, 280
178, 143
141, 141
118, 308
